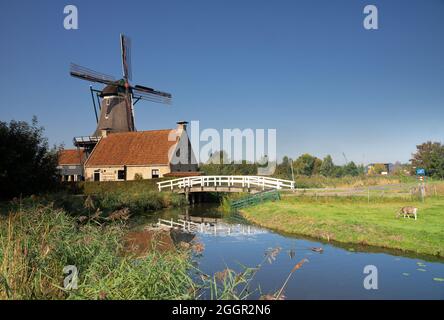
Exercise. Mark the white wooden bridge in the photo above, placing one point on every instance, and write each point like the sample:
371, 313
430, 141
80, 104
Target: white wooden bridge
225, 184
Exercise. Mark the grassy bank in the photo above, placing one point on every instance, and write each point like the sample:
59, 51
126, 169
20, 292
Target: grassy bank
37, 242
138, 196
358, 221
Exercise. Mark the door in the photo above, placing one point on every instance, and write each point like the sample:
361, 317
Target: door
97, 176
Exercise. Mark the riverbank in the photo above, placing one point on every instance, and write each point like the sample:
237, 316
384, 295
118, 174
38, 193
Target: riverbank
38, 241
114, 260
356, 220
87, 198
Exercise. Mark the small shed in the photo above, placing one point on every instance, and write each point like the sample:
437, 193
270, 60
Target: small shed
70, 164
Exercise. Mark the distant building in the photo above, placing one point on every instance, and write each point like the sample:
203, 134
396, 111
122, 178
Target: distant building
70, 164
141, 155
380, 168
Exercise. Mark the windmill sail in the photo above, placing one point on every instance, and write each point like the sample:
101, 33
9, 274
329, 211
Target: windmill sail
90, 75
117, 107
125, 45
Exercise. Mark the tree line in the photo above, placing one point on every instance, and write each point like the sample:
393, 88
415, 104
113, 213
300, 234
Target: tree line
29, 166
429, 155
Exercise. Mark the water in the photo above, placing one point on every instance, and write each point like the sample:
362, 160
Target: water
337, 273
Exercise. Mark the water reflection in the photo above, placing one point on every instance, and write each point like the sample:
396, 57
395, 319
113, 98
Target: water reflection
330, 273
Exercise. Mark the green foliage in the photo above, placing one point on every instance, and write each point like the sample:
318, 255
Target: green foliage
430, 156
214, 169
305, 165
27, 165
350, 169
327, 167
311, 166
141, 195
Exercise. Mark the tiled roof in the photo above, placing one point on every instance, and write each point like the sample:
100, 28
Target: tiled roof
70, 157
132, 148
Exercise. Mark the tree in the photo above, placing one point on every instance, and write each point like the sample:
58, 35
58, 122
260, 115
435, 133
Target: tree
350, 169
430, 156
327, 167
316, 166
283, 169
27, 165
338, 171
304, 165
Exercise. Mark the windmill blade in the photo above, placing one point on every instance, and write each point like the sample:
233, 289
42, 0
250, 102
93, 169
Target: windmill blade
90, 75
150, 94
125, 45
152, 91
151, 98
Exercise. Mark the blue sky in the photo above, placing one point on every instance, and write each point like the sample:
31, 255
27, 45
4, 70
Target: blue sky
307, 68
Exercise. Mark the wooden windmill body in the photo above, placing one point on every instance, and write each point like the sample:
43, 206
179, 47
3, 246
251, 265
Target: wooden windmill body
116, 101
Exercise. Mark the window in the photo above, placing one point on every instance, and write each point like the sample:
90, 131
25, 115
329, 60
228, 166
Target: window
155, 173
121, 175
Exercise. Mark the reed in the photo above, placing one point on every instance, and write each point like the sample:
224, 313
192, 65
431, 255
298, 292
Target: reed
37, 242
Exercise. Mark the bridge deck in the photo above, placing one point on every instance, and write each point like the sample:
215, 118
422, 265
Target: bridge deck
250, 184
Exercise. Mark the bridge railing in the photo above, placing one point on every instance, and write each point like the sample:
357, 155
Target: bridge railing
260, 182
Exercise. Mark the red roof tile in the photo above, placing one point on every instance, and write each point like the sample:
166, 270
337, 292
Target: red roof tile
71, 156
132, 148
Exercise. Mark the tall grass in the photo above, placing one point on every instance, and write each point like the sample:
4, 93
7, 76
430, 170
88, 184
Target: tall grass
348, 181
37, 242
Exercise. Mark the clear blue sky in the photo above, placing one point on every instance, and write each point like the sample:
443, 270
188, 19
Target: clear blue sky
307, 68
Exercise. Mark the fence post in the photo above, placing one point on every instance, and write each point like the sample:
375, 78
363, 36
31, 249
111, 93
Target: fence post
171, 222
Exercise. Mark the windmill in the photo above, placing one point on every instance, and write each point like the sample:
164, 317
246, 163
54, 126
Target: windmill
118, 98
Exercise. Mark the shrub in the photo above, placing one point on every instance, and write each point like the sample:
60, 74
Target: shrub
27, 165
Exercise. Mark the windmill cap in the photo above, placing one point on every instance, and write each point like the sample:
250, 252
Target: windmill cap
182, 122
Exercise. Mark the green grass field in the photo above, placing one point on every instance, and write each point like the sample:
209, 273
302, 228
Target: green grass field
355, 220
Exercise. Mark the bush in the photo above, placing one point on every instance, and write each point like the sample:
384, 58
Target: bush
27, 165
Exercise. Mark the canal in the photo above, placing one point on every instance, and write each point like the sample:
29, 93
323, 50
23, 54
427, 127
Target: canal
335, 273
